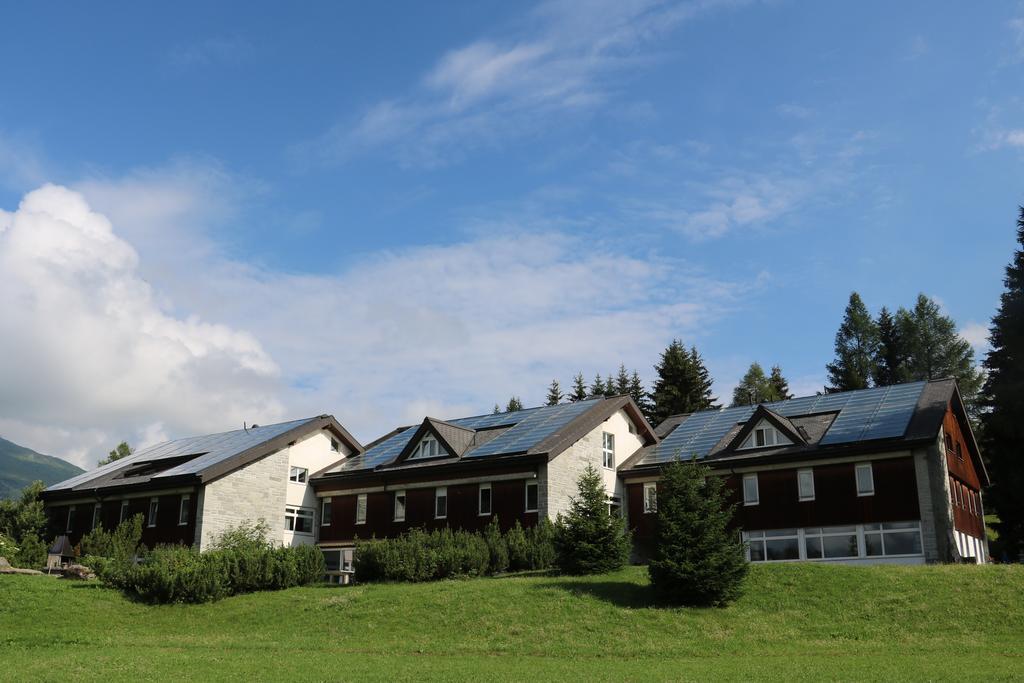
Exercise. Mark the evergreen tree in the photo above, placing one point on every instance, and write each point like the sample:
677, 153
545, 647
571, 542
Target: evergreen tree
579, 389
935, 348
754, 388
514, 404
622, 381
596, 387
698, 559
856, 348
778, 386
123, 450
555, 395
639, 395
497, 409
683, 384
1002, 430
891, 357
609, 387
589, 539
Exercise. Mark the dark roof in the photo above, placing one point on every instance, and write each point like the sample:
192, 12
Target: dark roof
543, 430
826, 423
201, 458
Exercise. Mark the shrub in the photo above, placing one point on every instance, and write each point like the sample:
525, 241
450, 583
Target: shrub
589, 540
31, 554
248, 535
497, 547
541, 544
8, 549
519, 554
698, 559
112, 554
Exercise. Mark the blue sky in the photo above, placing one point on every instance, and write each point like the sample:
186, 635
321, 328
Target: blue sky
386, 211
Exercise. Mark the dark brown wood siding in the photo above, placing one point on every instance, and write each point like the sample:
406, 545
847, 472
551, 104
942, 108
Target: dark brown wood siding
641, 524
964, 482
167, 529
508, 499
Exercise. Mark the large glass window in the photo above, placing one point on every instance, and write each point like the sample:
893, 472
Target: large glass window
889, 539
831, 542
484, 499
299, 520
361, 508
777, 544
608, 450
531, 496
751, 496
650, 497
440, 502
399, 506
298, 475
892, 538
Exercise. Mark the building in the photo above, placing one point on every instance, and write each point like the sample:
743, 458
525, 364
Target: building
189, 490
517, 466
888, 474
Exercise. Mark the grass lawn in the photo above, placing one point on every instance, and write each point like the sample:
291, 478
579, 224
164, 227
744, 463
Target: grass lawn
796, 622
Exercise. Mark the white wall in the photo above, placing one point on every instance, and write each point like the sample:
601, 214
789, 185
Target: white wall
314, 453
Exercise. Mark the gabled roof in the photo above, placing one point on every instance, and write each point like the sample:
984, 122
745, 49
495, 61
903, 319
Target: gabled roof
200, 458
545, 430
783, 424
879, 416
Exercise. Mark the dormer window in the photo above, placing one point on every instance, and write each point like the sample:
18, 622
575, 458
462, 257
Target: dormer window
428, 448
765, 435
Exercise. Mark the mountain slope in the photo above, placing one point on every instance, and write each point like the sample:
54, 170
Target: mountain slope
20, 466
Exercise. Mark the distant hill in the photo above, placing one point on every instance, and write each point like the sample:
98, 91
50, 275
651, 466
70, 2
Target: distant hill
20, 466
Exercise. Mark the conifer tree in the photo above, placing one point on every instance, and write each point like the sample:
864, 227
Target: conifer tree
514, 404
754, 388
856, 348
596, 387
497, 409
622, 381
698, 559
609, 387
640, 396
589, 539
935, 348
555, 395
891, 357
1002, 421
778, 386
683, 384
579, 388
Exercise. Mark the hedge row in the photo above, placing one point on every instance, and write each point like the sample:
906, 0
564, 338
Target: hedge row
420, 555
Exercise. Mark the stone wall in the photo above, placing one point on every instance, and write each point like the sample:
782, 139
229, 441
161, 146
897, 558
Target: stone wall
933, 496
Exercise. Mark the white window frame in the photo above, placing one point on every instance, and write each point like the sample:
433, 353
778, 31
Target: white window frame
298, 475
124, 508
862, 531
71, 519
399, 495
361, 508
864, 467
325, 511
756, 500
805, 475
608, 450
486, 486
154, 513
97, 515
650, 497
441, 493
293, 513
183, 507
526, 497
428, 442
769, 434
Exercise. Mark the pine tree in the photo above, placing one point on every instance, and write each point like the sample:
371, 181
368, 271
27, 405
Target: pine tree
622, 381
1002, 430
856, 348
891, 356
514, 404
596, 387
640, 396
935, 348
555, 395
497, 409
579, 388
683, 384
778, 386
753, 388
698, 559
609, 387
589, 539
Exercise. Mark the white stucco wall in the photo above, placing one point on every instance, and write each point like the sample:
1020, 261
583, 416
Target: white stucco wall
314, 453
559, 478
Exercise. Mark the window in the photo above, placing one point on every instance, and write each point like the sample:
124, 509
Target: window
865, 480
325, 512
632, 427
805, 481
608, 450
778, 544
299, 520
765, 435
959, 451
428, 448
750, 492
97, 515
531, 496
399, 506
361, 508
124, 512
831, 542
71, 518
614, 506
440, 502
892, 538
650, 497
949, 443
484, 499
184, 509
335, 446
298, 475
154, 508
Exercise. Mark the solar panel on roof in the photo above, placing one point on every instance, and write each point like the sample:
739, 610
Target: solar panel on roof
541, 424
384, 452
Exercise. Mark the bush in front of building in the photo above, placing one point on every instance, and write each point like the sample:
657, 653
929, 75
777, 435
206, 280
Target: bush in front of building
497, 547
590, 539
698, 558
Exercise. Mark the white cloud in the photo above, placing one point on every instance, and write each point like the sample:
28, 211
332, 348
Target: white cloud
229, 49
1016, 26
84, 345
568, 57
976, 335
